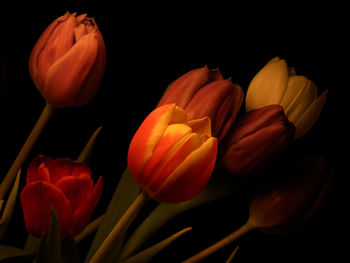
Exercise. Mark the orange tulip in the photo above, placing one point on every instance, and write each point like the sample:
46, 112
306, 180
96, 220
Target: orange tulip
68, 61
171, 158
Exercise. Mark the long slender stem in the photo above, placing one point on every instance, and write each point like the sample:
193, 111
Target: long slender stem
26, 148
119, 229
247, 227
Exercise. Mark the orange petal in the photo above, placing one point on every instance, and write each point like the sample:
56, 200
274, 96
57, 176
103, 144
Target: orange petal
67, 76
191, 176
201, 126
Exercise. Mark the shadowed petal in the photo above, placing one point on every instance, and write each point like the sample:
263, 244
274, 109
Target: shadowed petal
38, 169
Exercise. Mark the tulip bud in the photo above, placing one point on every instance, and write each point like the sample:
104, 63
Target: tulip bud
203, 92
256, 139
171, 158
65, 185
68, 61
286, 204
276, 84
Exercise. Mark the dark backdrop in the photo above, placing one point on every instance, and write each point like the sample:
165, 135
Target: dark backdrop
147, 48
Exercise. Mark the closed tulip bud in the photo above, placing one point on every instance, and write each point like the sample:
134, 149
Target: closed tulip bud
68, 61
277, 84
203, 92
170, 157
287, 203
65, 185
256, 139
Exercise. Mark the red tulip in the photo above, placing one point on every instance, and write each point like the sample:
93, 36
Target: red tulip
203, 92
64, 184
288, 202
256, 139
68, 61
171, 158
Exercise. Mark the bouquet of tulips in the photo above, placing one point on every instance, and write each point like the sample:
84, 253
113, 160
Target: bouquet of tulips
205, 141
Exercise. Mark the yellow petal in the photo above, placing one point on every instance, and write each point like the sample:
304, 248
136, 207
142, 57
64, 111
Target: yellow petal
308, 119
201, 126
268, 86
300, 94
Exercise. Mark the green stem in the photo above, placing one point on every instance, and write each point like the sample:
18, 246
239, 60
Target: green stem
26, 148
119, 229
247, 227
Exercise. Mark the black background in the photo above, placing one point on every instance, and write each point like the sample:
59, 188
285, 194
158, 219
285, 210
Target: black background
148, 47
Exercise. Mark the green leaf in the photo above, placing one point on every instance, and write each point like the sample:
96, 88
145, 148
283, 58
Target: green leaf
49, 250
218, 188
146, 255
125, 193
9, 252
32, 243
86, 152
10, 204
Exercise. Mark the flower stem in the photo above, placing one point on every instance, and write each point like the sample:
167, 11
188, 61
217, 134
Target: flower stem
26, 148
247, 227
119, 229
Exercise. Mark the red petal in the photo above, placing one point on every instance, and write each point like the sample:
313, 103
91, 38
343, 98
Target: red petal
82, 215
38, 169
60, 168
36, 199
80, 168
75, 188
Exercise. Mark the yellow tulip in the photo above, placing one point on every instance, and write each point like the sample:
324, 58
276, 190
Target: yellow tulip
277, 84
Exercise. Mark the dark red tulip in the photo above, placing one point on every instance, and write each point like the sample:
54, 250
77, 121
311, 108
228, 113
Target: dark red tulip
68, 61
203, 92
65, 185
256, 139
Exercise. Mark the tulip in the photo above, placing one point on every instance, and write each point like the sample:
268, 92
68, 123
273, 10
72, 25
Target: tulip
283, 206
277, 84
68, 61
170, 157
65, 185
203, 92
256, 139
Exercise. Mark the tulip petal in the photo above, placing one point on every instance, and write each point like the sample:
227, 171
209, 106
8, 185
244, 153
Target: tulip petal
75, 188
40, 44
60, 168
182, 90
67, 75
191, 176
268, 86
201, 126
58, 43
36, 199
173, 134
300, 94
177, 154
148, 135
256, 150
80, 168
38, 169
82, 215
310, 116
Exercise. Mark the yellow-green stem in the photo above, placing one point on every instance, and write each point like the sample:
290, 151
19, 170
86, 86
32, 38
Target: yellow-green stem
119, 229
26, 148
247, 227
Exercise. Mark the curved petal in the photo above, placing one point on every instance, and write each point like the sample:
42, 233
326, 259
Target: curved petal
36, 199
300, 94
80, 168
310, 116
67, 75
60, 168
148, 135
38, 169
191, 176
182, 90
268, 86
83, 213
75, 188
38, 47
201, 126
